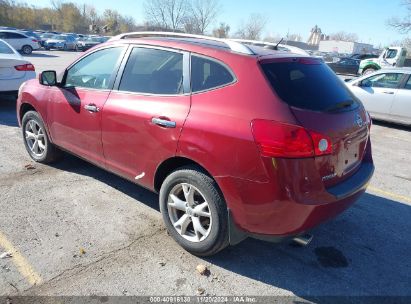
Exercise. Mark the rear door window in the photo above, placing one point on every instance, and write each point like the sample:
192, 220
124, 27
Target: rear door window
307, 84
207, 74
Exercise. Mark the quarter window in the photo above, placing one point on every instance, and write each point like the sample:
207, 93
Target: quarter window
388, 80
153, 71
95, 70
391, 54
408, 84
208, 74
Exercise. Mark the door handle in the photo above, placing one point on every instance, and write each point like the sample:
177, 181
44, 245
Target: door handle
390, 93
91, 108
163, 122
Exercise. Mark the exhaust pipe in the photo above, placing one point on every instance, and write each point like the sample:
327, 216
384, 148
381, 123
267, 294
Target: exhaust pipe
303, 240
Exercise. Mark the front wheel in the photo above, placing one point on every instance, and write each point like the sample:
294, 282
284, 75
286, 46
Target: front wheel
368, 71
36, 140
194, 211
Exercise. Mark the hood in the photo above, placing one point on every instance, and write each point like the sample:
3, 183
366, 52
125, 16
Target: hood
54, 40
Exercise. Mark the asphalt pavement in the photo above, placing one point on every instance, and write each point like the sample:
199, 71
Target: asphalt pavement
75, 229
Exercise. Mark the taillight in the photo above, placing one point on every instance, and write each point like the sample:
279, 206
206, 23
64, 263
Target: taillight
25, 67
276, 139
34, 40
368, 120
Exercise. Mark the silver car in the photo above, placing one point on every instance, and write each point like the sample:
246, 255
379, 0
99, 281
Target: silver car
61, 42
386, 94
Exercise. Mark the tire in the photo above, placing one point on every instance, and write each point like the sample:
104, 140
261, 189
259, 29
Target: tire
26, 49
65, 47
368, 71
44, 152
207, 208
77, 49
47, 48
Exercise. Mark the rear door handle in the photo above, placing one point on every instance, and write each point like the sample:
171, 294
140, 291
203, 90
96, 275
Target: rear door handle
91, 108
163, 122
386, 92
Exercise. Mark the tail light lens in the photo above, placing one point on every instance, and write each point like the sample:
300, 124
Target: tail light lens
276, 139
25, 67
34, 40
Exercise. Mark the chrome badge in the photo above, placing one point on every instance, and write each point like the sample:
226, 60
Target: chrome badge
358, 120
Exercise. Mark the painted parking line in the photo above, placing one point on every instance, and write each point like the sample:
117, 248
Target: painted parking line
390, 194
22, 265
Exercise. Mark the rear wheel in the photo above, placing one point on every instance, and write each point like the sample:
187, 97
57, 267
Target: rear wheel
26, 49
36, 140
194, 211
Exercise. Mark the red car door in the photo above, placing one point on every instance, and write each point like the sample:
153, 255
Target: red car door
75, 107
144, 114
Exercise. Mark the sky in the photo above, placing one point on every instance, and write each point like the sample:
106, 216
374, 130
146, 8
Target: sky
366, 18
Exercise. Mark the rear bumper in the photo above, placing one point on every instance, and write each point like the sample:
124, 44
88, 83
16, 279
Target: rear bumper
275, 215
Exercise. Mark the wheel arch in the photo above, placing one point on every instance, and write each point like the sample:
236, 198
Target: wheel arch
171, 164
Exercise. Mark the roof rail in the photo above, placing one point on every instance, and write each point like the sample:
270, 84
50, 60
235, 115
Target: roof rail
290, 48
233, 45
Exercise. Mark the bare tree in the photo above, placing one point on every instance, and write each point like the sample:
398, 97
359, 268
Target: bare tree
343, 36
403, 25
169, 14
203, 13
221, 31
253, 28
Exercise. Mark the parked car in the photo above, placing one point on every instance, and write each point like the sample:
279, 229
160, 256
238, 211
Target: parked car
14, 70
238, 140
363, 56
346, 66
61, 42
44, 37
20, 41
89, 42
386, 94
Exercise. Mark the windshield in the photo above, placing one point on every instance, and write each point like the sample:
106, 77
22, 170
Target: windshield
5, 49
307, 85
59, 37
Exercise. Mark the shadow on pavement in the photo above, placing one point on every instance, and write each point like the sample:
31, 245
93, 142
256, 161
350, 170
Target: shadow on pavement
40, 55
391, 125
8, 111
363, 252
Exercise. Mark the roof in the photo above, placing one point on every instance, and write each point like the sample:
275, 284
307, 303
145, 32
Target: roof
186, 41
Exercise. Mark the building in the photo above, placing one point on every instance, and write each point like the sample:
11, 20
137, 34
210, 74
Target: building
316, 36
345, 47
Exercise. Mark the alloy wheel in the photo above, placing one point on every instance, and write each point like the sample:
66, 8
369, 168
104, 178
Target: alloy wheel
189, 212
35, 138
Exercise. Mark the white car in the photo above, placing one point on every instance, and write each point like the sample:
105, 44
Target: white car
14, 69
20, 41
386, 94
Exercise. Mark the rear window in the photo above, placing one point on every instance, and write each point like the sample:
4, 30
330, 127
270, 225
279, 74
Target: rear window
5, 49
307, 86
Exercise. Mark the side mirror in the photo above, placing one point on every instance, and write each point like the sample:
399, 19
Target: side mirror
48, 78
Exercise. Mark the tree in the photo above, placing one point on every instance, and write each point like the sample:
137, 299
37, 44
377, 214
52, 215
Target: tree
254, 27
202, 14
169, 14
403, 25
221, 31
343, 36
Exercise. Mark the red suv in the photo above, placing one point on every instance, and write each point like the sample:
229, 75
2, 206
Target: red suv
238, 140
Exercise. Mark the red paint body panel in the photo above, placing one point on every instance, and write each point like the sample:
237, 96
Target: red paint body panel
266, 196
133, 145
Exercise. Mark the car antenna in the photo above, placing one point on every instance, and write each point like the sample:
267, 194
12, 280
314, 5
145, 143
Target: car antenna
276, 47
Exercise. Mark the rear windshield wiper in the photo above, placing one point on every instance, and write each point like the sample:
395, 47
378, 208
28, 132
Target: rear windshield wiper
340, 105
